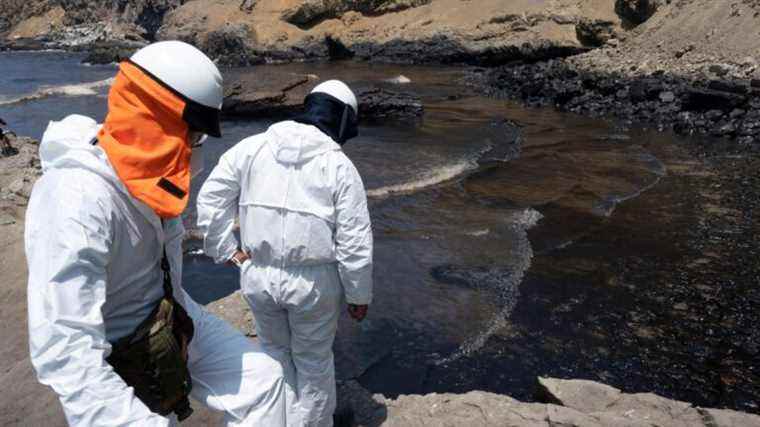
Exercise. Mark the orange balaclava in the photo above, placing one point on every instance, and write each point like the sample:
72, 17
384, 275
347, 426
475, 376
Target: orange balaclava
146, 140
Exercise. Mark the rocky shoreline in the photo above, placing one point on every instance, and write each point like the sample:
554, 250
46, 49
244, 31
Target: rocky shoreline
712, 105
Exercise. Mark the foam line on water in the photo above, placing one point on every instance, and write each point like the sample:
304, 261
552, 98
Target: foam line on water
83, 89
429, 179
435, 176
509, 288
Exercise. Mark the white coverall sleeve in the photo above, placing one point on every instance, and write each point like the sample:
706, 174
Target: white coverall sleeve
353, 235
217, 209
68, 240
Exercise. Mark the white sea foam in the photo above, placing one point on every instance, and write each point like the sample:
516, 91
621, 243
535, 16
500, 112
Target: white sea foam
507, 285
399, 80
83, 89
508, 288
479, 233
429, 179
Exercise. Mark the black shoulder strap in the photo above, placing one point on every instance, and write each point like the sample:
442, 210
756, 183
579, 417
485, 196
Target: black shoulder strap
168, 291
166, 267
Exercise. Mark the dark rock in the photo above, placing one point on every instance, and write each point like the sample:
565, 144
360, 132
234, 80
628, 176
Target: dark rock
737, 112
311, 12
443, 49
645, 90
667, 97
248, 5
594, 33
107, 54
705, 100
725, 129
755, 83
375, 103
266, 93
713, 115
531, 89
337, 50
726, 86
719, 70
681, 52
635, 12
22, 44
356, 406
232, 45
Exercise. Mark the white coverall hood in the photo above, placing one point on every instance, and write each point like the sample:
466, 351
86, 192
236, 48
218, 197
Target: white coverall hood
67, 143
293, 143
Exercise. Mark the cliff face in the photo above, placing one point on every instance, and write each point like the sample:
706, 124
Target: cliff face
146, 15
485, 32
238, 32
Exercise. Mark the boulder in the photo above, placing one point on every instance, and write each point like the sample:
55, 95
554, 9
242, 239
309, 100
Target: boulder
378, 104
583, 395
740, 88
311, 12
697, 99
266, 93
595, 33
635, 12
108, 53
232, 45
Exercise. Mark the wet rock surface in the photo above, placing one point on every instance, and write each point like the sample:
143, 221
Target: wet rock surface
270, 93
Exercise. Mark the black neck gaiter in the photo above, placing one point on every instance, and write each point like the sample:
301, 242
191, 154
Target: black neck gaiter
330, 115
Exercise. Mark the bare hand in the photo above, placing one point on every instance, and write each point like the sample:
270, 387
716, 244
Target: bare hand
357, 312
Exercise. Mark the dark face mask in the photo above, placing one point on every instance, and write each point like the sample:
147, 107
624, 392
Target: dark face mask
331, 116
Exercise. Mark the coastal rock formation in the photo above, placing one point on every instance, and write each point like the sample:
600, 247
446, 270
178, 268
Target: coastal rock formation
413, 31
270, 93
572, 403
672, 71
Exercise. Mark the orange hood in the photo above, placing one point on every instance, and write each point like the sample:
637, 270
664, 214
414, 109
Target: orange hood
146, 140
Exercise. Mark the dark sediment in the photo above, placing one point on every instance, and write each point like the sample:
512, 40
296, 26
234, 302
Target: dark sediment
719, 107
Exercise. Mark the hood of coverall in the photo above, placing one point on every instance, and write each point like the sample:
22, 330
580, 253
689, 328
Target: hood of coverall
146, 140
294, 143
67, 143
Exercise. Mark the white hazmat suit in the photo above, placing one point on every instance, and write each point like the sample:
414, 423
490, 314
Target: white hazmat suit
304, 222
94, 256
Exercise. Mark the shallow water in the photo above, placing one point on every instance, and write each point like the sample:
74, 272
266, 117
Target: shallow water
460, 217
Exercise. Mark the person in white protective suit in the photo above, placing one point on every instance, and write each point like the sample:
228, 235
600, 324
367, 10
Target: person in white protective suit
99, 222
306, 238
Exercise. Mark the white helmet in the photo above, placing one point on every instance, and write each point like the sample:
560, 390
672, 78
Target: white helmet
340, 91
190, 74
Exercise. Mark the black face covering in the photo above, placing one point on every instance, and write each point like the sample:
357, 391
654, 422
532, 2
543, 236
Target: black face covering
331, 116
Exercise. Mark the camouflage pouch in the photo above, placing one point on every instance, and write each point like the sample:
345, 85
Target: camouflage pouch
153, 359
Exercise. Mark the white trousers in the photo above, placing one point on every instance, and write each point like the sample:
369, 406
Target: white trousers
232, 374
296, 311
